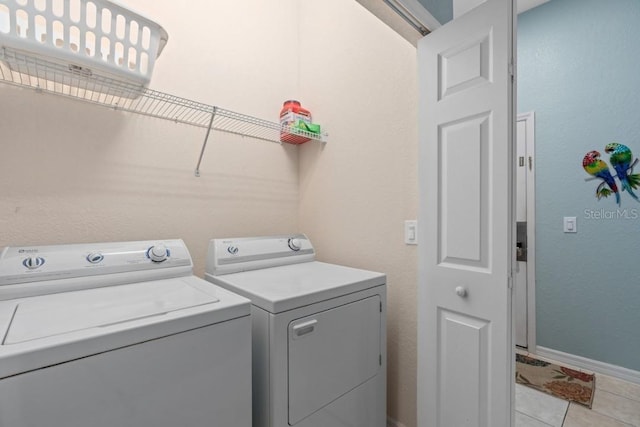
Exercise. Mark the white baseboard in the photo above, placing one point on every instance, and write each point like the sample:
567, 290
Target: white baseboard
589, 364
393, 423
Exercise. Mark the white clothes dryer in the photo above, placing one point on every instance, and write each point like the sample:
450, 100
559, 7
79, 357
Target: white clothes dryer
319, 332
119, 334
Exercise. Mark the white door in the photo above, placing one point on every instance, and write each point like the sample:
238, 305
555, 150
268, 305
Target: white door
466, 256
524, 303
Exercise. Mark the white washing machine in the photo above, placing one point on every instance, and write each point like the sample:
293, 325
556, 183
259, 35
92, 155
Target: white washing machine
119, 335
319, 332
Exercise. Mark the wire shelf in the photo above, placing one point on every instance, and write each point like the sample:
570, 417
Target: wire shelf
59, 78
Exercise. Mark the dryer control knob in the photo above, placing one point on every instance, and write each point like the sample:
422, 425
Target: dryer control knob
158, 253
232, 250
294, 244
33, 262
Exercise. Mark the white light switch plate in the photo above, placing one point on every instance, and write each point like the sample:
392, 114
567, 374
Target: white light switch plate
411, 232
570, 224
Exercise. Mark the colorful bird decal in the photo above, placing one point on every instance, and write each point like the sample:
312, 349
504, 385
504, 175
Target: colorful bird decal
599, 168
621, 160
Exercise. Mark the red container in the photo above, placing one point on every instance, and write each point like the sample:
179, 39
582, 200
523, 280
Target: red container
290, 114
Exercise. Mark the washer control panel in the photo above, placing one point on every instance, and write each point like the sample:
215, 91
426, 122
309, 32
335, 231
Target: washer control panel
41, 263
249, 253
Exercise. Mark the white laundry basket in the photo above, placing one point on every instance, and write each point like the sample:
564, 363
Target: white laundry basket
93, 38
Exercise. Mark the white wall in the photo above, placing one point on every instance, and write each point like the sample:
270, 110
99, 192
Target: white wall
359, 78
73, 172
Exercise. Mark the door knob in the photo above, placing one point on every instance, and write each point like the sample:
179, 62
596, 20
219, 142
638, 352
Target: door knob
462, 291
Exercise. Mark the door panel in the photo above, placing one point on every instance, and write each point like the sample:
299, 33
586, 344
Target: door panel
466, 256
464, 359
465, 66
463, 217
331, 353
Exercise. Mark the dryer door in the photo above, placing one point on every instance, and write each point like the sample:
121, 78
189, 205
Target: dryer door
331, 353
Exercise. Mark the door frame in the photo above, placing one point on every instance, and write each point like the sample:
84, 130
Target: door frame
529, 119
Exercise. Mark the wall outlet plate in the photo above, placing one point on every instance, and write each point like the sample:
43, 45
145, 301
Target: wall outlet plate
411, 232
570, 224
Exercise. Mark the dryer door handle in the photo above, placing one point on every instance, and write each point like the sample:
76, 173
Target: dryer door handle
304, 328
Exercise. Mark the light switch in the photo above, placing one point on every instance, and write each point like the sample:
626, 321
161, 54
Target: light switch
570, 224
411, 232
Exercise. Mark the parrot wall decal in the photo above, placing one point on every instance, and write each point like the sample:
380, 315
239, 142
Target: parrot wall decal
621, 159
599, 169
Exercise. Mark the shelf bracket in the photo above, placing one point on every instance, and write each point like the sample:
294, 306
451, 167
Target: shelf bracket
204, 144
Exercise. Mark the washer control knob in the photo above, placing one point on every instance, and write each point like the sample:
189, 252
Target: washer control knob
232, 250
33, 262
95, 257
158, 253
294, 244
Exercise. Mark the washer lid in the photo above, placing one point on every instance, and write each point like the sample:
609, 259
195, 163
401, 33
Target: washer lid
287, 287
49, 315
46, 330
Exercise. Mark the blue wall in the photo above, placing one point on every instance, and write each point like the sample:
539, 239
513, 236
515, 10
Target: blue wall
579, 70
442, 10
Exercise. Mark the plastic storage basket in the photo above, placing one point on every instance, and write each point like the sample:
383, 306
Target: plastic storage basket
90, 38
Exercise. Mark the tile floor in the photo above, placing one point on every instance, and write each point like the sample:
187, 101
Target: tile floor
616, 404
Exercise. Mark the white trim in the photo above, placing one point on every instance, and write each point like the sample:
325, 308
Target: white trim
530, 123
393, 423
590, 364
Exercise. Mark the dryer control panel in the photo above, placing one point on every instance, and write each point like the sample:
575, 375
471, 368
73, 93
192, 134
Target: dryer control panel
233, 255
101, 262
